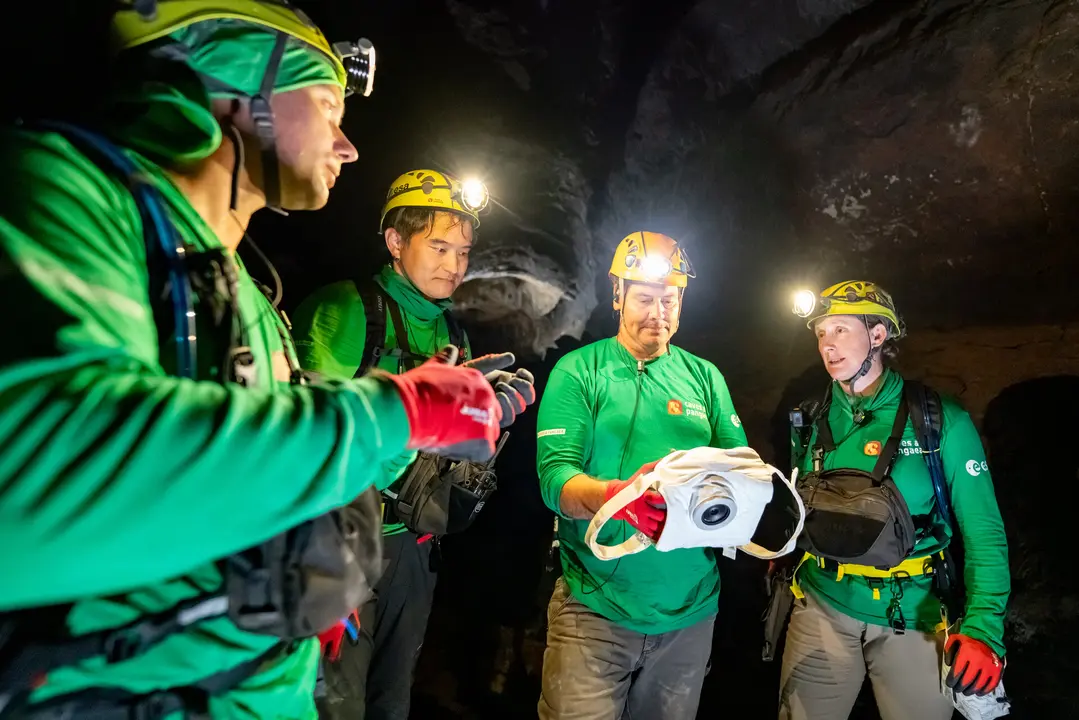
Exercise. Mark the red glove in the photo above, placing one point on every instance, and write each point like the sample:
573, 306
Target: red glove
648, 512
452, 411
975, 668
515, 391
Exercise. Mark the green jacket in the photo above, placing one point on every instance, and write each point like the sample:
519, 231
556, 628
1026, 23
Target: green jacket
605, 414
974, 507
120, 484
330, 328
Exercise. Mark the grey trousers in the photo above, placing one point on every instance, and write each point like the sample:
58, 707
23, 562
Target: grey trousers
594, 669
828, 654
373, 679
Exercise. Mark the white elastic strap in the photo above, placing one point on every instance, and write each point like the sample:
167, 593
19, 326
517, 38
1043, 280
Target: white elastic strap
616, 504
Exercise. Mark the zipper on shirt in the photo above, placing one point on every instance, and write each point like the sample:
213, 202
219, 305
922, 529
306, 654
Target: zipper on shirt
632, 419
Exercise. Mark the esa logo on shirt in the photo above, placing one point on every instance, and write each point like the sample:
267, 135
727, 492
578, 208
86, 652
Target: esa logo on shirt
976, 468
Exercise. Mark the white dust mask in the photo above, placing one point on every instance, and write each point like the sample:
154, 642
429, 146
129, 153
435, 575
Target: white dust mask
715, 498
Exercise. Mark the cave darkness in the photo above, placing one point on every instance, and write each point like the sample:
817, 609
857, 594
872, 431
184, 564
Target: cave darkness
928, 145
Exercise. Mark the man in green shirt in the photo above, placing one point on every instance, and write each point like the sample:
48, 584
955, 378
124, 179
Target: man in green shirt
394, 321
852, 619
151, 425
630, 637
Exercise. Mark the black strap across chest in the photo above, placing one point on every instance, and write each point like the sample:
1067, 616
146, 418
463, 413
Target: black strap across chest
826, 442
377, 305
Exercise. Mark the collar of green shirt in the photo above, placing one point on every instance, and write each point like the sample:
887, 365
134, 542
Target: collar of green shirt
408, 296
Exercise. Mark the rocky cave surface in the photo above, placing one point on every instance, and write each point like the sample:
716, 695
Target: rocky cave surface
927, 144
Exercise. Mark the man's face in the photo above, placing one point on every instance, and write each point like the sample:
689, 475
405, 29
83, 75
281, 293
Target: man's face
311, 148
650, 314
435, 259
844, 343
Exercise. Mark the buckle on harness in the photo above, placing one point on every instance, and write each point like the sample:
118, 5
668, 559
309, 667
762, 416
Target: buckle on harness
877, 584
126, 643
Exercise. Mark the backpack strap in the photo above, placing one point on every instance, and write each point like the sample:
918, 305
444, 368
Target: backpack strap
377, 305
400, 333
160, 234
927, 416
891, 445
456, 334
825, 441
374, 310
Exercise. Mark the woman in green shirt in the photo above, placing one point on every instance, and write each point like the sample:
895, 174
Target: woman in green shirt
854, 618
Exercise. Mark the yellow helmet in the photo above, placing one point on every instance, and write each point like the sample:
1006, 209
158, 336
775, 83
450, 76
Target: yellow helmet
139, 22
651, 258
433, 190
856, 297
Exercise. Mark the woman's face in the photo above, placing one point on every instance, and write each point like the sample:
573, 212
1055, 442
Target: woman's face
844, 342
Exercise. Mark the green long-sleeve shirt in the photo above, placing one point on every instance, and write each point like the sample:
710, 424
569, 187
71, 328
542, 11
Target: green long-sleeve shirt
330, 328
120, 484
973, 502
605, 414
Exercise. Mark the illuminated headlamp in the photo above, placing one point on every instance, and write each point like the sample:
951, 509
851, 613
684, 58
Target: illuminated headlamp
804, 302
655, 267
473, 195
359, 61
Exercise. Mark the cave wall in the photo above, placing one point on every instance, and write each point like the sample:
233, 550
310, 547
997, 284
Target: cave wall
924, 144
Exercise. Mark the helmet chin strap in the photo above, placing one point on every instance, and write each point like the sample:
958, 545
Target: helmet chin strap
262, 117
867, 364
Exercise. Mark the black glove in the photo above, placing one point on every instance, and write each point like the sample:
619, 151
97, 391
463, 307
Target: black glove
514, 391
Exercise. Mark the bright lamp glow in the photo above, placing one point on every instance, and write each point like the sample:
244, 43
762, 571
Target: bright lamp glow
655, 267
804, 302
474, 194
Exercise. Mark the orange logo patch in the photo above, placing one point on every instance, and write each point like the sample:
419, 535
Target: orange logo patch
674, 407
872, 447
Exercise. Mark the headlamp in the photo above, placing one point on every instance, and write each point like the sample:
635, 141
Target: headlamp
804, 302
655, 267
359, 61
473, 195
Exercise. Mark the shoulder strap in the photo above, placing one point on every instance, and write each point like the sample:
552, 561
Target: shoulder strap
927, 416
377, 305
456, 334
159, 232
891, 446
401, 334
374, 310
825, 441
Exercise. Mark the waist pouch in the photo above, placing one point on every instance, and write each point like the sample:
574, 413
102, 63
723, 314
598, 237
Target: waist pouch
440, 496
853, 518
304, 581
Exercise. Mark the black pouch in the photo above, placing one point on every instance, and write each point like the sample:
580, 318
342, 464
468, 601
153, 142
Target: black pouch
853, 518
440, 496
303, 581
